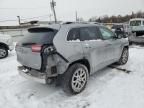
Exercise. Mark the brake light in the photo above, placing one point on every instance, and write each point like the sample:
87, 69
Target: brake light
36, 48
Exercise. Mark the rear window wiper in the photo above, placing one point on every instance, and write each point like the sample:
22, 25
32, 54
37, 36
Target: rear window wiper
24, 44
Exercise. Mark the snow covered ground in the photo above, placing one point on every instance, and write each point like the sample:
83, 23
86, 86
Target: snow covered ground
108, 88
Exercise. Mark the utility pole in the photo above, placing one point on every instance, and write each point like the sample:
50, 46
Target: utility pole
19, 20
53, 4
50, 15
76, 16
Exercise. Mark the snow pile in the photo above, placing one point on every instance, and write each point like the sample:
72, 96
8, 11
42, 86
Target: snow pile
108, 88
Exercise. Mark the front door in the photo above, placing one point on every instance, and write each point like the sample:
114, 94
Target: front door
112, 46
93, 47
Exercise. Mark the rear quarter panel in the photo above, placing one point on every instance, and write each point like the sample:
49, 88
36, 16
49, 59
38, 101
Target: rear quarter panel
72, 51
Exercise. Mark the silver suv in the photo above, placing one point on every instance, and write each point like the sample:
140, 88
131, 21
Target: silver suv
70, 53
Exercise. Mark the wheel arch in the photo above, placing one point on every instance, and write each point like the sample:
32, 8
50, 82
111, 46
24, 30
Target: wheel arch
82, 61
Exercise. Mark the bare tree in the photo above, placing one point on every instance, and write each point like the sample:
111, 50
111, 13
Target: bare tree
118, 18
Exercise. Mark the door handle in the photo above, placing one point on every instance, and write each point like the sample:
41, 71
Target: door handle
87, 46
108, 45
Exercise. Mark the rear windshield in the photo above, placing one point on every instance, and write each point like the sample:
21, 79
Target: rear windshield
39, 36
135, 23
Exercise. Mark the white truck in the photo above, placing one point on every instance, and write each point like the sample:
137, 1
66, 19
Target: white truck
137, 26
6, 44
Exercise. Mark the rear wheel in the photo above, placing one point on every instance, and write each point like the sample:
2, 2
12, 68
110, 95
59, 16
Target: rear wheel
124, 57
75, 79
3, 52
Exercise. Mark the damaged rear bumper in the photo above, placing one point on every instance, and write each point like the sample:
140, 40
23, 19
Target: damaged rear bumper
32, 75
55, 65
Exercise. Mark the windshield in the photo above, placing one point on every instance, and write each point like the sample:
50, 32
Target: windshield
39, 36
135, 23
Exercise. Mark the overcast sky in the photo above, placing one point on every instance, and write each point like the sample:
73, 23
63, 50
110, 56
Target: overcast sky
65, 9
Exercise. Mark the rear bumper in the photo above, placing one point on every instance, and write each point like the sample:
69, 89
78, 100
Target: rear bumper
32, 75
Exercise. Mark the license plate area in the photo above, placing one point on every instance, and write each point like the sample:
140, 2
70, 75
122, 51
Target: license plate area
28, 58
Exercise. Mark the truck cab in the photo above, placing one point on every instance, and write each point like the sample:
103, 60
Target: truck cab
137, 26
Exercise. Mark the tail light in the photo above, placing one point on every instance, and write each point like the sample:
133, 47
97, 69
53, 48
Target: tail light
36, 48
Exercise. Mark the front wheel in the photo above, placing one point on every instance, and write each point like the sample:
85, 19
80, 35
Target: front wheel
75, 79
3, 52
124, 57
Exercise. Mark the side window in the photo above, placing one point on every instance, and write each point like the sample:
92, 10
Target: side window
106, 33
73, 34
88, 33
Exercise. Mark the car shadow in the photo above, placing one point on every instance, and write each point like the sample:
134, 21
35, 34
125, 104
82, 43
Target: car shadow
42, 90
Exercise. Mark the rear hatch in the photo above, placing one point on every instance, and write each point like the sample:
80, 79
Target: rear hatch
29, 48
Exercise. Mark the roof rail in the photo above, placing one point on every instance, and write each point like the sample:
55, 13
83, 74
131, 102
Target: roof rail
77, 22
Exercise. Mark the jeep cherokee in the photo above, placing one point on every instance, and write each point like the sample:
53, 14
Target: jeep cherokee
70, 52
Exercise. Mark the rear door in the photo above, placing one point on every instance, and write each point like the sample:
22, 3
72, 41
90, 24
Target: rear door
73, 46
30, 46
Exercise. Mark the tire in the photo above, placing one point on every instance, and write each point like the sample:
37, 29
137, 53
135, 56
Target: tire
75, 79
124, 57
3, 52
